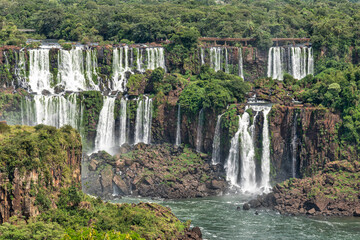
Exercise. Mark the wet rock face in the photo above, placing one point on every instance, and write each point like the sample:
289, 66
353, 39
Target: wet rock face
316, 139
328, 193
153, 171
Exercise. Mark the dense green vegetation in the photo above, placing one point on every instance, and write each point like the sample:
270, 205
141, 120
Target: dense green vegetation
332, 25
212, 90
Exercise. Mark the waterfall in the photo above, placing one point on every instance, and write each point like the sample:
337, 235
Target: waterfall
40, 76
310, 61
294, 145
55, 111
199, 135
275, 65
90, 69
226, 61
232, 162
202, 57
106, 126
20, 69
123, 62
178, 127
216, 142
155, 58
247, 155
299, 62
143, 121
241, 70
122, 131
265, 157
215, 58
120, 67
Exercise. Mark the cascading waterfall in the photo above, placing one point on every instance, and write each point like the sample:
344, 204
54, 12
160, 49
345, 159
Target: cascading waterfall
40, 76
247, 155
123, 62
178, 127
275, 65
71, 69
226, 61
232, 162
119, 69
155, 58
202, 57
105, 136
20, 69
122, 129
55, 111
294, 145
216, 142
240, 165
143, 121
215, 58
199, 134
299, 63
90, 69
241, 67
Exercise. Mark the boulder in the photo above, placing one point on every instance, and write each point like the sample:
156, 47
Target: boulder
246, 206
119, 182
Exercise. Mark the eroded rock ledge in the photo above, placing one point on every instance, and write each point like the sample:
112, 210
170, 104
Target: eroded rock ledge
161, 170
334, 191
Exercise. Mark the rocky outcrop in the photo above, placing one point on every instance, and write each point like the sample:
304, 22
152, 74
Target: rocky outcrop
334, 191
162, 171
316, 144
36, 167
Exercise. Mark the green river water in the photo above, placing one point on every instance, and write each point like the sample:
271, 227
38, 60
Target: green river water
219, 218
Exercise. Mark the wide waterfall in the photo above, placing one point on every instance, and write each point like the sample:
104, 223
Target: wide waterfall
216, 143
227, 59
40, 77
55, 111
105, 132
298, 61
294, 145
122, 124
178, 127
123, 61
241, 162
143, 121
199, 133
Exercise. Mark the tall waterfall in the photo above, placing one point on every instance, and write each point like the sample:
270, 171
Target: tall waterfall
202, 57
91, 69
105, 132
40, 77
119, 67
199, 134
215, 58
240, 165
299, 62
247, 155
216, 142
143, 121
122, 128
55, 111
232, 162
178, 127
275, 63
294, 145
241, 67
71, 69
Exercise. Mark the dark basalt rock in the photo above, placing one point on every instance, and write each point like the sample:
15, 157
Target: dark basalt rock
152, 171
